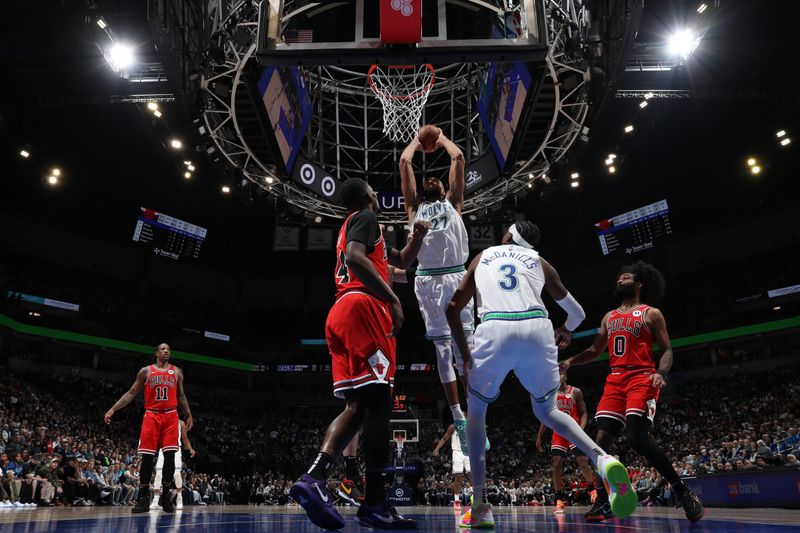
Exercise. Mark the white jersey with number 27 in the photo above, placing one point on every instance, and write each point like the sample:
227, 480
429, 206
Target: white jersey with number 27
446, 244
509, 279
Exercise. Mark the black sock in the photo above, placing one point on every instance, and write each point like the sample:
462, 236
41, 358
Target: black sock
322, 464
145, 471
637, 436
602, 494
351, 469
375, 439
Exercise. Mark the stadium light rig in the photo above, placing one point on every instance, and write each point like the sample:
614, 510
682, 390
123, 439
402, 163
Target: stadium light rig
176, 144
24, 154
120, 56
786, 141
683, 43
226, 189
187, 175
628, 128
52, 180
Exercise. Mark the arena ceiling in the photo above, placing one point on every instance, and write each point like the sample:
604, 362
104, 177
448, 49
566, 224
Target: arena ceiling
61, 99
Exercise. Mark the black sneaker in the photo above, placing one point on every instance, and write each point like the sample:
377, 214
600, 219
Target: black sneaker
165, 501
692, 506
143, 504
599, 512
383, 516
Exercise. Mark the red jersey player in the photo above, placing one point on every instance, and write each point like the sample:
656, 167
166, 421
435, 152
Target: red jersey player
569, 400
163, 392
632, 389
360, 332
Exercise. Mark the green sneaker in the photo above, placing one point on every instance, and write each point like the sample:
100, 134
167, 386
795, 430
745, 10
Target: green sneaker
621, 495
460, 426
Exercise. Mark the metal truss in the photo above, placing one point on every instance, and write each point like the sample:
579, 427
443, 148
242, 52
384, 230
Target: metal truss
345, 136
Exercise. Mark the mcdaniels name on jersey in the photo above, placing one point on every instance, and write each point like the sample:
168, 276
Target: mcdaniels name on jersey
526, 260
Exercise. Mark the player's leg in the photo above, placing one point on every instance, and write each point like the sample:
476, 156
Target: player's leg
178, 477
157, 480
148, 446
583, 464
168, 442
458, 479
640, 412
558, 477
348, 490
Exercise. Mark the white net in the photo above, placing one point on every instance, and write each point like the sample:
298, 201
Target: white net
403, 91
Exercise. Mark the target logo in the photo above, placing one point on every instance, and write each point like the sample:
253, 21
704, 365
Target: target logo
308, 177
403, 6
307, 174
328, 186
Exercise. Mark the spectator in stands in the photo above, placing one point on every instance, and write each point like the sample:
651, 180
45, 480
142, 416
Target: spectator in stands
791, 461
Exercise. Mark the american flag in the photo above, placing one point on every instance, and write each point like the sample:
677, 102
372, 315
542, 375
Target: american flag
298, 36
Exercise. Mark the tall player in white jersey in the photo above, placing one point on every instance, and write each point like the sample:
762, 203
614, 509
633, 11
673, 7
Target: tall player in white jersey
183, 441
515, 334
441, 260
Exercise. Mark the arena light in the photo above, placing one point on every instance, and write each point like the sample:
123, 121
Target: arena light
776, 308
701, 9
24, 154
226, 189
628, 128
648, 96
269, 179
317, 219
191, 168
755, 170
574, 184
575, 175
786, 141
751, 161
102, 23
609, 162
152, 106
643, 104
157, 113
612, 156
187, 175
530, 185
780, 134
175, 143
56, 171
683, 43
187, 163
121, 56
52, 180
612, 169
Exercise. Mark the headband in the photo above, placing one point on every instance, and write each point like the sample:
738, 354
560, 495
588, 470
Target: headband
518, 238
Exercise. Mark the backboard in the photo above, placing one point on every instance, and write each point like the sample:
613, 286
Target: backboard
348, 32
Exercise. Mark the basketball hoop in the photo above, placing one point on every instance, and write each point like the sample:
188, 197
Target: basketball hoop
403, 91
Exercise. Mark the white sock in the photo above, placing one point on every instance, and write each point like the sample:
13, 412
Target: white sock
458, 414
476, 440
564, 425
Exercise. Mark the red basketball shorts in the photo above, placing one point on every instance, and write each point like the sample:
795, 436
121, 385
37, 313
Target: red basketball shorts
628, 392
159, 432
357, 332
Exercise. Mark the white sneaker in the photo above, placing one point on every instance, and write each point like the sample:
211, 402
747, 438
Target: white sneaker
154, 504
16, 504
179, 502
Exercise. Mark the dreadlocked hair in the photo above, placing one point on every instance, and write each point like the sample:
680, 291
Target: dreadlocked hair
653, 284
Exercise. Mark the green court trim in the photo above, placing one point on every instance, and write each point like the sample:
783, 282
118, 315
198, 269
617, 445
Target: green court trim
51, 333
723, 334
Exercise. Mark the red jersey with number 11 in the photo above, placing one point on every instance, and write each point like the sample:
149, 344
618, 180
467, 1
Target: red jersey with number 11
161, 389
346, 280
630, 342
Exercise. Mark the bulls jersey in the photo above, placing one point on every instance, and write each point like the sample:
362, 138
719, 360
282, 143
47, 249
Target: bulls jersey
565, 400
509, 279
446, 243
361, 226
161, 389
630, 342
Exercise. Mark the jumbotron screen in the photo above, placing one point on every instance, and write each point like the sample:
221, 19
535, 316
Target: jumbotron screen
168, 236
636, 230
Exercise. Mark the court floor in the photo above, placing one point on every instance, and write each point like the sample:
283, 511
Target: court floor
436, 519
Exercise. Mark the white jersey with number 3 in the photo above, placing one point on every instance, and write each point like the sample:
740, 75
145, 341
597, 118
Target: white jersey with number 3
446, 244
509, 279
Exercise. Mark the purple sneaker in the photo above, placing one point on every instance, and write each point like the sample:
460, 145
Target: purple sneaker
383, 516
313, 495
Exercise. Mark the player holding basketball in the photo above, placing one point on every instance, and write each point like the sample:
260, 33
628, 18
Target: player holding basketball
515, 334
163, 391
569, 400
632, 389
441, 259
185, 442
360, 332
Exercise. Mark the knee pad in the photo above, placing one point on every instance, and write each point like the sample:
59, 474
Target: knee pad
444, 361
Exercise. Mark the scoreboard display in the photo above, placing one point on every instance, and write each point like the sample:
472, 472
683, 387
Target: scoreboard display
636, 230
168, 236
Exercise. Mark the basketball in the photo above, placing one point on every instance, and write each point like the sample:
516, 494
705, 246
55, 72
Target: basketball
427, 137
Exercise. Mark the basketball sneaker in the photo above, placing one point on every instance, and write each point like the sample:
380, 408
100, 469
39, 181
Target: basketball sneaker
165, 501
383, 516
348, 491
478, 517
179, 501
621, 496
143, 503
154, 503
692, 506
560, 505
312, 494
600, 511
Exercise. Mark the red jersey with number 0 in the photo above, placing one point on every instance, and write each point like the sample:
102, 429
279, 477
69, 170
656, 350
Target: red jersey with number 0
345, 279
161, 389
630, 342
566, 403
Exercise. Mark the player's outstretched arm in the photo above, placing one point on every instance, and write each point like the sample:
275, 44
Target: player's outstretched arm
456, 178
182, 401
577, 394
575, 313
129, 396
405, 258
592, 352
658, 325
462, 296
444, 439
408, 183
